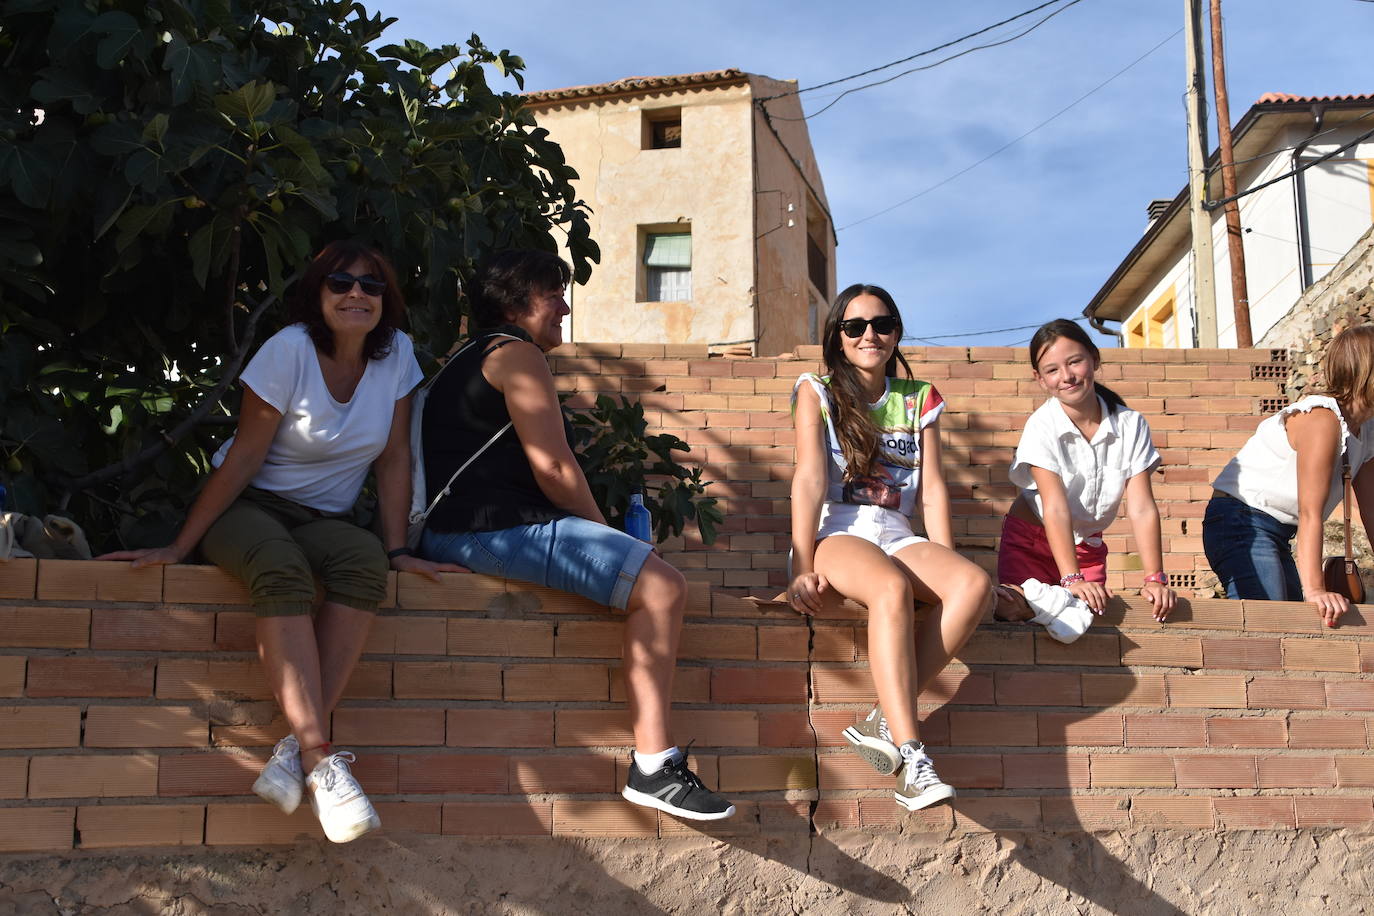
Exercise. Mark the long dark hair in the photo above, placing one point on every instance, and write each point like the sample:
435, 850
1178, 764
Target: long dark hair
1051, 331
856, 432
506, 281
305, 301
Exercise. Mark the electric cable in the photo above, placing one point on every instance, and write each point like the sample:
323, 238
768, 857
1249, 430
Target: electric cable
1220, 202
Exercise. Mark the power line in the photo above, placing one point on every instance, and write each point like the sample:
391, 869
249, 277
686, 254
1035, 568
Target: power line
944, 60
1214, 204
928, 338
1009, 144
1288, 149
948, 44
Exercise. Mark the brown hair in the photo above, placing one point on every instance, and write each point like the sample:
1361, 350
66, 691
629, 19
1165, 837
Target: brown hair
1051, 331
1349, 370
853, 427
305, 302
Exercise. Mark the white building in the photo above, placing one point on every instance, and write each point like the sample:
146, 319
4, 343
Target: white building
1294, 230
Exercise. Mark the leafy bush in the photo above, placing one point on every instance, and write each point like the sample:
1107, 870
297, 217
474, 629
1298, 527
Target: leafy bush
618, 458
166, 170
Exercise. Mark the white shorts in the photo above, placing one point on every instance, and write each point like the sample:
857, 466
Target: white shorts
888, 529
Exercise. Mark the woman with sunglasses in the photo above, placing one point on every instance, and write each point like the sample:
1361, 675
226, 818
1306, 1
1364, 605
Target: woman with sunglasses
868, 451
324, 400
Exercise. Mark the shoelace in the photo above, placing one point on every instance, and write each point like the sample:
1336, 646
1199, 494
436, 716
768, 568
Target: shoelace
920, 770
338, 768
680, 770
883, 731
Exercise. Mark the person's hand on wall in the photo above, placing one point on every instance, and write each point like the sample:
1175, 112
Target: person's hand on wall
804, 594
1330, 605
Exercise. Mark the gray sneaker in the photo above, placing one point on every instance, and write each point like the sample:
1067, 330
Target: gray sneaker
919, 786
873, 742
281, 780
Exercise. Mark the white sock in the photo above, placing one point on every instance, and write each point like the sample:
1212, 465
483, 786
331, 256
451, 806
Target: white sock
649, 764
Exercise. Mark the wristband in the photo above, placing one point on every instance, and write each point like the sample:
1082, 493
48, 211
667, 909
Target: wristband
1070, 579
399, 552
1160, 577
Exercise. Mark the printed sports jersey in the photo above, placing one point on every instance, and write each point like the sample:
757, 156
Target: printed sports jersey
906, 407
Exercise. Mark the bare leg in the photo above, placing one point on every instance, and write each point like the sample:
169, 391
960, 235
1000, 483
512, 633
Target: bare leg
859, 570
656, 606
291, 658
961, 593
340, 632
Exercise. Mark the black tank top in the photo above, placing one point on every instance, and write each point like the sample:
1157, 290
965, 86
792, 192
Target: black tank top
462, 412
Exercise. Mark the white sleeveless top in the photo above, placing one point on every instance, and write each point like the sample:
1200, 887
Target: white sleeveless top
1264, 474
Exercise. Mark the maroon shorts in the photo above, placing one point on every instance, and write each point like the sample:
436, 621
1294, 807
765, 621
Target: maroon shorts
1024, 553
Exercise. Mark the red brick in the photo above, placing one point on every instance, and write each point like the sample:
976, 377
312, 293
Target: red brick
36, 829
592, 728
446, 680
44, 627
1215, 771
556, 682
90, 677
504, 638
758, 685
718, 641
11, 675
1080, 730
1255, 812
1333, 811
256, 824
603, 818
998, 647
145, 726
109, 826
93, 776
1281, 617
202, 585
1348, 694
1296, 772
690, 685
1326, 732
1175, 812
388, 727
18, 579
1123, 690
992, 729
39, 726
14, 777
996, 814
507, 727
84, 580
1355, 771
783, 644
1164, 651
1198, 690
563, 773
401, 635
1321, 655
1250, 731
836, 814
1098, 812
498, 819
217, 773
836, 644
1247, 654
1131, 770
959, 687
236, 631
159, 630
589, 639
1045, 771
427, 774
1165, 731
759, 773
454, 592
406, 817
881, 812
1286, 693
1088, 649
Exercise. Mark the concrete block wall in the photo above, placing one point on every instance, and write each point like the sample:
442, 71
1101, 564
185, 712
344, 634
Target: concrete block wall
133, 715
734, 413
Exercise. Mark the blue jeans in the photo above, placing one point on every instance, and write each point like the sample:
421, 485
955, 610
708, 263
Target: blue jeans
1250, 551
570, 554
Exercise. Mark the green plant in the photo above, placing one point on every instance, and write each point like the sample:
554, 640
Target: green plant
167, 167
618, 458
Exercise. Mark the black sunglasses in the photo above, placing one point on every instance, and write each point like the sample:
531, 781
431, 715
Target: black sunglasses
882, 326
341, 282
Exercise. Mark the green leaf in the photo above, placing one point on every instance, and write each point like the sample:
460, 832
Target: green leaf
209, 247
247, 103
304, 151
57, 84
192, 66
156, 128
122, 35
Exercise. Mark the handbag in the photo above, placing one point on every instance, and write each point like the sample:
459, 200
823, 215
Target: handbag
1340, 574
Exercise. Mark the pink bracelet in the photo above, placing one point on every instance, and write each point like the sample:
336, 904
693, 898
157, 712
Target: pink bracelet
1160, 577
1070, 579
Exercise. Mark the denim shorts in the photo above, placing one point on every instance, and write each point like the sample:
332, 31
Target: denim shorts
887, 529
1250, 551
570, 554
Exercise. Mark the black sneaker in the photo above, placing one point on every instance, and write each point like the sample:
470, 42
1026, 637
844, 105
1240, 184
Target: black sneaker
677, 790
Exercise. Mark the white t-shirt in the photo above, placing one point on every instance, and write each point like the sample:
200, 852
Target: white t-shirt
322, 449
1094, 472
1264, 474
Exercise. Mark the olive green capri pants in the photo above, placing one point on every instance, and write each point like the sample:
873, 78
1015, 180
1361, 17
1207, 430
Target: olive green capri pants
277, 547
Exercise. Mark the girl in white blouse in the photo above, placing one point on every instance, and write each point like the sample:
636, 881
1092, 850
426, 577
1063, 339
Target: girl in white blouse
1079, 455
1287, 479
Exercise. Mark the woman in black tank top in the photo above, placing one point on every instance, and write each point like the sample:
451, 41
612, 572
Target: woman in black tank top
523, 510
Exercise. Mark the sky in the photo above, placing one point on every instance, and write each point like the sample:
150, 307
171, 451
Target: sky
1029, 234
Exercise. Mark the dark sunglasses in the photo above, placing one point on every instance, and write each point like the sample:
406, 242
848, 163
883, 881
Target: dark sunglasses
883, 325
341, 282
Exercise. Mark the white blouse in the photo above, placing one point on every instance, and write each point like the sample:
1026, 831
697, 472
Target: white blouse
1094, 472
1264, 474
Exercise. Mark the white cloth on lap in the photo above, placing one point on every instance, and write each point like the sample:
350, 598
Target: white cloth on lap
1057, 610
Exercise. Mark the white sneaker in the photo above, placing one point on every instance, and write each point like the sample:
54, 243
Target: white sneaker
918, 785
281, 780
338, 801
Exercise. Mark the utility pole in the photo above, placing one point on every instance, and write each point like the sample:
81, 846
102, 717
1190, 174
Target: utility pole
1204, 279
1240, 289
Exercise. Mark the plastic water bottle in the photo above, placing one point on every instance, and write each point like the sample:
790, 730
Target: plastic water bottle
637, 521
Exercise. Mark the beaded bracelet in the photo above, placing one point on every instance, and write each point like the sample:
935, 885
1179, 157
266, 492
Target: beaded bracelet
1070, 579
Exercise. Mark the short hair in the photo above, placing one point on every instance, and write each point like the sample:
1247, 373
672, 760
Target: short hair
506, 281
1349, 370
304, 307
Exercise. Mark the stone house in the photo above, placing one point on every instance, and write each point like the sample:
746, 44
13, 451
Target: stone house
708, 206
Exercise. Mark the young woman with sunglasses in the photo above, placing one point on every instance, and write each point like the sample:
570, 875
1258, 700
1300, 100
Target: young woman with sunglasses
868, 452
324, 400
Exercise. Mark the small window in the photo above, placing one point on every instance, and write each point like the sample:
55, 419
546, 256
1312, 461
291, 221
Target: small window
667, 266
662, 129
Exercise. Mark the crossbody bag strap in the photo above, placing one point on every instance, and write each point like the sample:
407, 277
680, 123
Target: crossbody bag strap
1345, 501
477, 454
